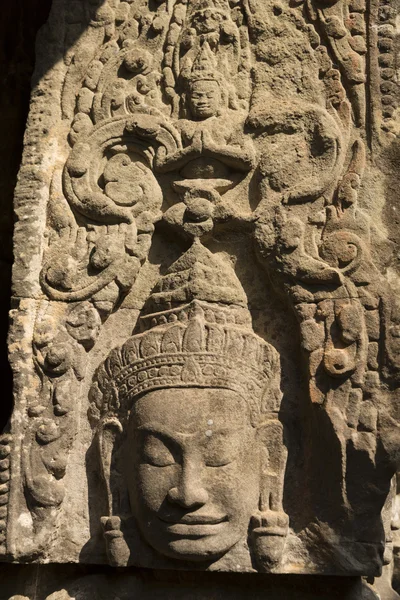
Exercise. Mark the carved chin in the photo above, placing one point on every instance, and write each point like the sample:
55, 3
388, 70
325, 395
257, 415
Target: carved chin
204, 113
210, 542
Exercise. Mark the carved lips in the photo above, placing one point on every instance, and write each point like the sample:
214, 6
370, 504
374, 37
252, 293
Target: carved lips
195, 525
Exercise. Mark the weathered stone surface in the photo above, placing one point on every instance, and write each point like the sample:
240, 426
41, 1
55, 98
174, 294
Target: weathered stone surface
49, 582
206, 323
18, 28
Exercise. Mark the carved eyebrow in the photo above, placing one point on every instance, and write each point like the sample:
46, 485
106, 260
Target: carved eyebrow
226, 429
158, 430
161, 430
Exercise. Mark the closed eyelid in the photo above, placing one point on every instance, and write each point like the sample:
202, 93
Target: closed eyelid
159, 448
221, 463
221, 450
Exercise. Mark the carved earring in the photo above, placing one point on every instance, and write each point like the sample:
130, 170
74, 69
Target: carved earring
117, 549
268, 533
269, 526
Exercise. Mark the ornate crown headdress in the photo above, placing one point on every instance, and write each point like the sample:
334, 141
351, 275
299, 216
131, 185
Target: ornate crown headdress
204, 67
196, 332
196, 6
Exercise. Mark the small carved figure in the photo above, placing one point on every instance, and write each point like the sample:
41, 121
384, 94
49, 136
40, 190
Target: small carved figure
212, 134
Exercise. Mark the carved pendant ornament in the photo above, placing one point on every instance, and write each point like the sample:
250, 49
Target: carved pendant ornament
210, 377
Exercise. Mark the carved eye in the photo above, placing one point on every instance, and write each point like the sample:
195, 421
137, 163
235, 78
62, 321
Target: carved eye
156, 453
221, 449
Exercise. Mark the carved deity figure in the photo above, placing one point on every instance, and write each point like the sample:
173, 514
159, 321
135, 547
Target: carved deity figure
187, 413
212, 131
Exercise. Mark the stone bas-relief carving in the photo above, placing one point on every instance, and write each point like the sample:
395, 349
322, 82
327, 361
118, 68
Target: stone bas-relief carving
205, 334
197, 398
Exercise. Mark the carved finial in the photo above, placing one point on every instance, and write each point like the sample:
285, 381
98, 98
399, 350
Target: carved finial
197, 275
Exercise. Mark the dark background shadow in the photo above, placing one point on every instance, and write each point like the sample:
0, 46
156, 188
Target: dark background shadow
19, 24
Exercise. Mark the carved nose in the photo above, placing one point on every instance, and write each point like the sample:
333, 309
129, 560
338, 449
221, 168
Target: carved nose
189, 493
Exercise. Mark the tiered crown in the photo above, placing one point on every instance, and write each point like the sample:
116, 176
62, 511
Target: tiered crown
204, 68
196, 6
200, 336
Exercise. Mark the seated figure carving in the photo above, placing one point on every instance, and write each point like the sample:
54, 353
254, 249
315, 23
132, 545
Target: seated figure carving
212, 131
186, 421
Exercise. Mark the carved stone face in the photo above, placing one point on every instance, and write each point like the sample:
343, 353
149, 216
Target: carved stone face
204, 99
192, 468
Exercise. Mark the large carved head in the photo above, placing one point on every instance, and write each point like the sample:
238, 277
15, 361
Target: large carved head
191, 396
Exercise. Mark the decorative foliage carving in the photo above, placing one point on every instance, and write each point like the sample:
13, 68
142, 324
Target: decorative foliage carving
60, 345
5, 474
